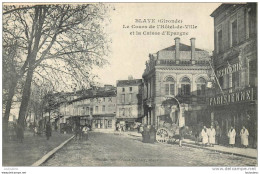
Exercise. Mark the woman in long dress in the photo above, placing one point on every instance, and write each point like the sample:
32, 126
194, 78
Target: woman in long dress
244, 137
211, 134
204, 134
232, 136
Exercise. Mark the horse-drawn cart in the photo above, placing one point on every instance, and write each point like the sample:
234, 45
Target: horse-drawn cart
167, 132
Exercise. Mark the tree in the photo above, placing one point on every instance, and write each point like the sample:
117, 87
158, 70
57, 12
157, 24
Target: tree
58, 43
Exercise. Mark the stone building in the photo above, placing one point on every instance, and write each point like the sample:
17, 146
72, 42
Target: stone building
175, 82
235, 65
95, 107
129, 102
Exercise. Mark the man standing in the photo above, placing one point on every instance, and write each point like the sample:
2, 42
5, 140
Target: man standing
232, 136
244, 137
218, 134
204, 134
211, 134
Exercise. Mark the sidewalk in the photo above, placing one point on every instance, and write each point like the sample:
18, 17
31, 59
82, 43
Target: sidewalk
32, 149
245, 152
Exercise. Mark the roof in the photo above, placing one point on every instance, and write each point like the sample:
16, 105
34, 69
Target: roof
225, 6
96, 93
183, 47
129, 82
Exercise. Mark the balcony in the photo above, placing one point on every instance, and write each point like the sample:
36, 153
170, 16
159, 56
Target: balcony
170, 62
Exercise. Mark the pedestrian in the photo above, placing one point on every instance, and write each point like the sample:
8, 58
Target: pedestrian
77, 131
141, 128
152, 134
48, 130
119, 129
85, 130
244, 136
146, 134
197, 133
232, 136
211, 133
182, 132
204, 135
218, 134
35, 131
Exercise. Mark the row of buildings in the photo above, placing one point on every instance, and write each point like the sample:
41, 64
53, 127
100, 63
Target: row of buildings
104, 107
185, 85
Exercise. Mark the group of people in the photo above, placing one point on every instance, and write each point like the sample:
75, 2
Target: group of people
211, 136
81, 132
243, 134
120, 128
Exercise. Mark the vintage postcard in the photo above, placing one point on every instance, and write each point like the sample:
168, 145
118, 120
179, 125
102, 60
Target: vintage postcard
129, 85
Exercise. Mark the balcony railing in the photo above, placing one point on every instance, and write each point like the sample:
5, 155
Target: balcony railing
169, 62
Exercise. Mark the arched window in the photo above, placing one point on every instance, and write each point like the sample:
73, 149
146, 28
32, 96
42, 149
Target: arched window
169, 86
185, 86
201, 86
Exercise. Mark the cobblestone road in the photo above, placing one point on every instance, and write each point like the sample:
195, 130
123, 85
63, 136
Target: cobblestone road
119, 150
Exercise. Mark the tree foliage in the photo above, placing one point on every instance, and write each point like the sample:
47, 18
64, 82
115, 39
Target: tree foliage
58, 43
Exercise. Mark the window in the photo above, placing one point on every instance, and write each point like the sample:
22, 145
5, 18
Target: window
123, 98
130, 97
252, 21
91, 111
109, 123
96, 109
130, 111
169, 86
253, 73
98, 123
123, 89
235, 79
103, 108
123, 112
221, 81
104, 99
87, 110
130, 89
185, 86
234, 33
201, 86
219, 41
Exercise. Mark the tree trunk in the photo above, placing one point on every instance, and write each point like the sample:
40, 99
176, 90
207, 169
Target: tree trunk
25, 97
38, 21
8, 106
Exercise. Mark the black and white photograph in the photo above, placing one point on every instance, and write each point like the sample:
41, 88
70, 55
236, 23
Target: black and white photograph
106, 84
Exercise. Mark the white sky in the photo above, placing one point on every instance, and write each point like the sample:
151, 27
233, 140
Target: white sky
129, 53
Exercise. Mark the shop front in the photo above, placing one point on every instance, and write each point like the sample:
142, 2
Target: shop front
127, 124
236, 109
103, 122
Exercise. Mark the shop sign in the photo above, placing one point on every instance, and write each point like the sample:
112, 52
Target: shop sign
235, 97
228, 70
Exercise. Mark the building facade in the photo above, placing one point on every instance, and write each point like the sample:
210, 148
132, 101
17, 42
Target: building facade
129, 102
175, 82
96, 107
234, 103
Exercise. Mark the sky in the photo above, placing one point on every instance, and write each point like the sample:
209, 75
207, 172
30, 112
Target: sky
130, 52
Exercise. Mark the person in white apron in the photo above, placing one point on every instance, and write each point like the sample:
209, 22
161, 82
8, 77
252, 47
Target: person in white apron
244, 137
232, 136
85, 130
211, 134
204, 135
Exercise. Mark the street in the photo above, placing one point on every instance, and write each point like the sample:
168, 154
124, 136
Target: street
120, 150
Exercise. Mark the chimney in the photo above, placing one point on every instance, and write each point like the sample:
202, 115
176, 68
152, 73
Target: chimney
177, 48
192, 42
